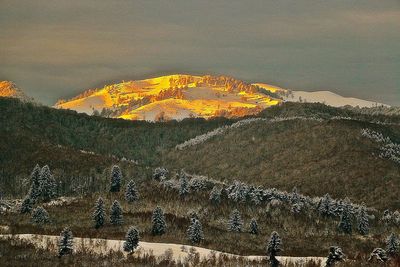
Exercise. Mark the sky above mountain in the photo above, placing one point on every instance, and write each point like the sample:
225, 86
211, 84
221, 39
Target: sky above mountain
56, 49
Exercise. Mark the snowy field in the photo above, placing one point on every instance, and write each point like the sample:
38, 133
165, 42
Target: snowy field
179, 252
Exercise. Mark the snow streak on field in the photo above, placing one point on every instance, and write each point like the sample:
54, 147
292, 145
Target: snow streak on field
179, 251
221, 130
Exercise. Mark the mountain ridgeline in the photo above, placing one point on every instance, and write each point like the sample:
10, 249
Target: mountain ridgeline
174, 97
182, 96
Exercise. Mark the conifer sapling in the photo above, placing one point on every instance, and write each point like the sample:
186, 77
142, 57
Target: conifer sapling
116, 217
99, 213
131, 240
159, 225
235, 222
195, 232
116, 178
131, 193
65, 244
273, 247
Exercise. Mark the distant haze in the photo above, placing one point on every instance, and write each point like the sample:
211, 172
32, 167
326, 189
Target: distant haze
56, 49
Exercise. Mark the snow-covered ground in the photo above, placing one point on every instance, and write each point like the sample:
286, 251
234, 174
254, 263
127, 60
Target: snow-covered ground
330, 99
326, 97
179, 251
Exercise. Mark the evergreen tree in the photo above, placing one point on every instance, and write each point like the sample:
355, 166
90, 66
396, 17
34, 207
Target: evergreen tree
183, 185
26, 205
379, 254
131, 193
392, 245
345, 220
235, 222
66, 242
35, 190
253, 227
362, 221
131, 240
99, 214
326, 206
335, 255
215, 195
158, 221
47, 184
40, 216
273, 247
116, 217
195, 231
116, 178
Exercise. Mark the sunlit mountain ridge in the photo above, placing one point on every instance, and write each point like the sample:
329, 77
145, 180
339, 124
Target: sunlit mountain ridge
182, 96
9, 89
173, 97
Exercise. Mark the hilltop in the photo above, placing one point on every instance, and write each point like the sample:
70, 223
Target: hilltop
9, 89
182, 96
173, 97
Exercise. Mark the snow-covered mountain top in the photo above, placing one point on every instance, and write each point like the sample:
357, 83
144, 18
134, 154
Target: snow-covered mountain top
326, 97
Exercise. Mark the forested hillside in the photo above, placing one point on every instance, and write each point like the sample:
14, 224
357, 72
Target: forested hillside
318, 148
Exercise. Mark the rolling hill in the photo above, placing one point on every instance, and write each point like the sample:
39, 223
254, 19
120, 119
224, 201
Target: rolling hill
172, 97
327, 148
325, 97
182, 96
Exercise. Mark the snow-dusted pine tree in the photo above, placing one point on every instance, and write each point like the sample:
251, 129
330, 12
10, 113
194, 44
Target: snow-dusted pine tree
159, 225
345, 220
99, 213
254, 227
131, 240
66, 242
47, 184
362, 220
116, 178
40, 216
131, 193
35, 190
325, 207
235, 222
273, 247
183, 185
195, 232
215, 195
392, 245
335, 255
116, 217
26, 205
378, 254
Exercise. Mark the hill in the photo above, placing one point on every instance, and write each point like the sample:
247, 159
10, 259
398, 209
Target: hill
9, 89
325, 97
302, 148
327, 148
172, 97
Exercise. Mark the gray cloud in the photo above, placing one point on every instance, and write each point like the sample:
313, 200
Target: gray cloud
55, 49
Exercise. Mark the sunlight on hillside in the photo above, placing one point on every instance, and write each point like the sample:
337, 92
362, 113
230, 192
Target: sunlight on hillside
173, 97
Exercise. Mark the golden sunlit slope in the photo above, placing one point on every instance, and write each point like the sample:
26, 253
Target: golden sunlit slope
9, 89
173, 97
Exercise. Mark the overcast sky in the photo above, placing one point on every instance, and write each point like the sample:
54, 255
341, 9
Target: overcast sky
56, 49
